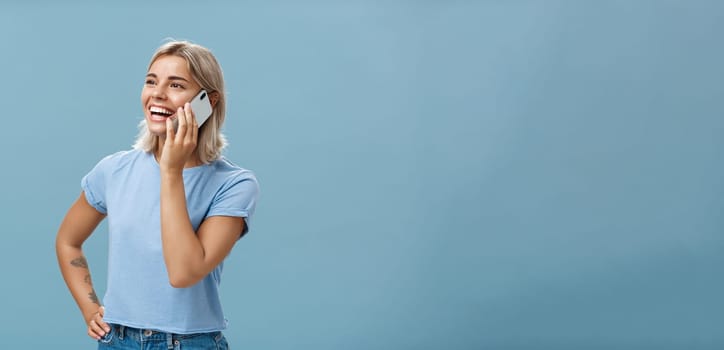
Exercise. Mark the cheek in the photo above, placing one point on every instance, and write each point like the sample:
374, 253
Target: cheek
179, 100
144, 97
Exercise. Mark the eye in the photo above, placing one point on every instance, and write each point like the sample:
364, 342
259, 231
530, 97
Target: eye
150, 82
177, 86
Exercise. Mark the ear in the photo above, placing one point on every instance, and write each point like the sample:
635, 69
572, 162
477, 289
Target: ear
214, 98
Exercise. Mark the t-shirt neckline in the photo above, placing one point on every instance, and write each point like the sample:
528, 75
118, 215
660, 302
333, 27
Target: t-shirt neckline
191, 170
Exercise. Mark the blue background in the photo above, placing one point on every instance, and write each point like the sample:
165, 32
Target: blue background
435, 174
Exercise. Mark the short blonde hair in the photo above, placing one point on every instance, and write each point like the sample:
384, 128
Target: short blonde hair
206, 71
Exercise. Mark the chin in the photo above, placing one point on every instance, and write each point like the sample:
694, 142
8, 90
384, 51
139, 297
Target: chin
156, 128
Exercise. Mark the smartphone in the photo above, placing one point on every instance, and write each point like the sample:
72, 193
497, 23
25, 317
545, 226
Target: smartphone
201, 107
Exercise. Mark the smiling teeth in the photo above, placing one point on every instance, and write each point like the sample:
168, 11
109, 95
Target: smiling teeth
160, 110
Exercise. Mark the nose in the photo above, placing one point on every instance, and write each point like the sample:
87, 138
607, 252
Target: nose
159, 93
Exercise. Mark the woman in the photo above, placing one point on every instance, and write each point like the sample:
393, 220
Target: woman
175, 208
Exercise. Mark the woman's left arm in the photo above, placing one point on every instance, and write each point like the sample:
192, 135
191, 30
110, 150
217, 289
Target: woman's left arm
189, 255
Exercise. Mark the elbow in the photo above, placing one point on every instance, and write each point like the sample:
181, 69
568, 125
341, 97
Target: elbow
182, 280
180, 284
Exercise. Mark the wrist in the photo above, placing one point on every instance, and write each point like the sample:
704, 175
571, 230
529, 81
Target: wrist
168, 172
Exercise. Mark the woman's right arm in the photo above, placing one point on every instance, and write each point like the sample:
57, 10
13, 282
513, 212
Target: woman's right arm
78, 224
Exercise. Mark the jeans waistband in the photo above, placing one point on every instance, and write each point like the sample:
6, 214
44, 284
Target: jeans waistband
152, 335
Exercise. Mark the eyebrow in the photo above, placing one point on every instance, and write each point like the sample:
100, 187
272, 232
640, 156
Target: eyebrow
172, 77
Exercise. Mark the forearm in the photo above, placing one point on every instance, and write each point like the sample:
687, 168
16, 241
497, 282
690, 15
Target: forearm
76, 273
182, 250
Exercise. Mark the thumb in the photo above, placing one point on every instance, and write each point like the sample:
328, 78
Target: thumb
101, 311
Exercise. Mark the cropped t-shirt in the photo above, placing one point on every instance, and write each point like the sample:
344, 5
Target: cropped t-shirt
126, 187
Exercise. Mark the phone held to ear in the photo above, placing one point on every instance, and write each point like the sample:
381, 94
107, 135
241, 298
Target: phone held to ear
201, 106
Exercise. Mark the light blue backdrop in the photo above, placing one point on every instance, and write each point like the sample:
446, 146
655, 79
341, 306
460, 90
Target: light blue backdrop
435, 174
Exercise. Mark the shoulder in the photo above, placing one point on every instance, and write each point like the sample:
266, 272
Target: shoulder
237, 189
231, 172
233, 178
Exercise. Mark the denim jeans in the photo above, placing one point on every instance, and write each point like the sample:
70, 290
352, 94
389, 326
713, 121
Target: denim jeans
127, 338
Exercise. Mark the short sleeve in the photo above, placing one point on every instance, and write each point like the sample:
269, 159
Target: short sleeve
237, 197
94, 185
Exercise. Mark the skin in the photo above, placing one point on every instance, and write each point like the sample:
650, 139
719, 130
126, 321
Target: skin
189, 255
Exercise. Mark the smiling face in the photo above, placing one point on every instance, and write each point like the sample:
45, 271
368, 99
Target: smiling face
168, 86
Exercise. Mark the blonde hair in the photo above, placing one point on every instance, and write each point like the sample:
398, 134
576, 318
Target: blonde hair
206, 71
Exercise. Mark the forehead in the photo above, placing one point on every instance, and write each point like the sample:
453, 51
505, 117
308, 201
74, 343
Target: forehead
170, 65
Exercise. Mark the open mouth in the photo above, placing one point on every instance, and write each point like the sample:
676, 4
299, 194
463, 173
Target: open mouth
160, 112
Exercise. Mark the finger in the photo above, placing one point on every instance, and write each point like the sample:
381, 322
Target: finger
181, 117
99, 320
195, 132
191, 132
93, 334
94, 330
169, 130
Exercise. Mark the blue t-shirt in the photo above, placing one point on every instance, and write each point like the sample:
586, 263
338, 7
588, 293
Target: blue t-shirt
126, 186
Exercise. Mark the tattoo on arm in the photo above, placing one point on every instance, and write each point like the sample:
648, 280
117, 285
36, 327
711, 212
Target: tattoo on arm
93, 297
80, 262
